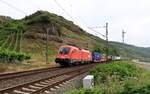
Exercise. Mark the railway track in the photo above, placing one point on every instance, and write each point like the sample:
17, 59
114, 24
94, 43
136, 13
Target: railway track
43, 86
11, 79
6, 76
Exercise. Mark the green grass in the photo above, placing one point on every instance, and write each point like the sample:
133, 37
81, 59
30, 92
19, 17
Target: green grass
72, 35
118, 78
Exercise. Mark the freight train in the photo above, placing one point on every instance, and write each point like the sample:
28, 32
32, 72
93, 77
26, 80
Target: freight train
71, 55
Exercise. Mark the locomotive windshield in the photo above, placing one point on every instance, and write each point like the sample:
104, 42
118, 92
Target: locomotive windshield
64, 50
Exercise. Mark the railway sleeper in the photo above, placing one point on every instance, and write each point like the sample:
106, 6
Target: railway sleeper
45, 83
41, 85
20, 92
28, 89
47, 92
57, 87
34, 87
52, 89
48, 81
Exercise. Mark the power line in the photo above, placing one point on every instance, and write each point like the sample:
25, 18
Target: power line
59, 5
37, 6
73, 19
97, 32
98, 27
11, 6
91, 28
82, 21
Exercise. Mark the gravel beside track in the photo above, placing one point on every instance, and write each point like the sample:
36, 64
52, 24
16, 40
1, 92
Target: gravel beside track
74, 83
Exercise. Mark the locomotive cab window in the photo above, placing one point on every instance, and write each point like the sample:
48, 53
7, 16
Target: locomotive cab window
64, 50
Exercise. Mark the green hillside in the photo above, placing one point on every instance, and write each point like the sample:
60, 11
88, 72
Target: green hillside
28, 35
131, 51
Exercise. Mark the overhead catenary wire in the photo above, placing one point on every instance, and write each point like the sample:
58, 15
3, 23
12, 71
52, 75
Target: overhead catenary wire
11, 6
96, 32
33, 4
90, 28
68, 14
98, 27
59, 5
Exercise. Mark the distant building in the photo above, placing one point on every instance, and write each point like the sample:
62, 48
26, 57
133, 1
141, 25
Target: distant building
135, 60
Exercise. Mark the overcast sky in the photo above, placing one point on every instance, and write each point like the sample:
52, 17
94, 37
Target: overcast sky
131, 15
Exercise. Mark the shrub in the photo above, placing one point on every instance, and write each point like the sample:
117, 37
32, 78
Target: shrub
12, 56
87, 91
134, 90
115, 71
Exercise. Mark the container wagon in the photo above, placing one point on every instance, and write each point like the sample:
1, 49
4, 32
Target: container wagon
96, 57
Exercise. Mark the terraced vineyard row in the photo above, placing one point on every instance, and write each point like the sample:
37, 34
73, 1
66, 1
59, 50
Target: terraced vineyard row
10, 44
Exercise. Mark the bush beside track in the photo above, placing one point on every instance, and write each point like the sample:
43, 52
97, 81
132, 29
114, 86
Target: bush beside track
119, 77
12, 56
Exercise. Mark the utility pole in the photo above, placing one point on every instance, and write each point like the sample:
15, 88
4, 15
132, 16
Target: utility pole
87, 45
107, 46
106, 36
21, 35
123, 36
47, 30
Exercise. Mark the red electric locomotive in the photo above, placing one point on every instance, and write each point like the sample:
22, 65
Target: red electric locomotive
71, 55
